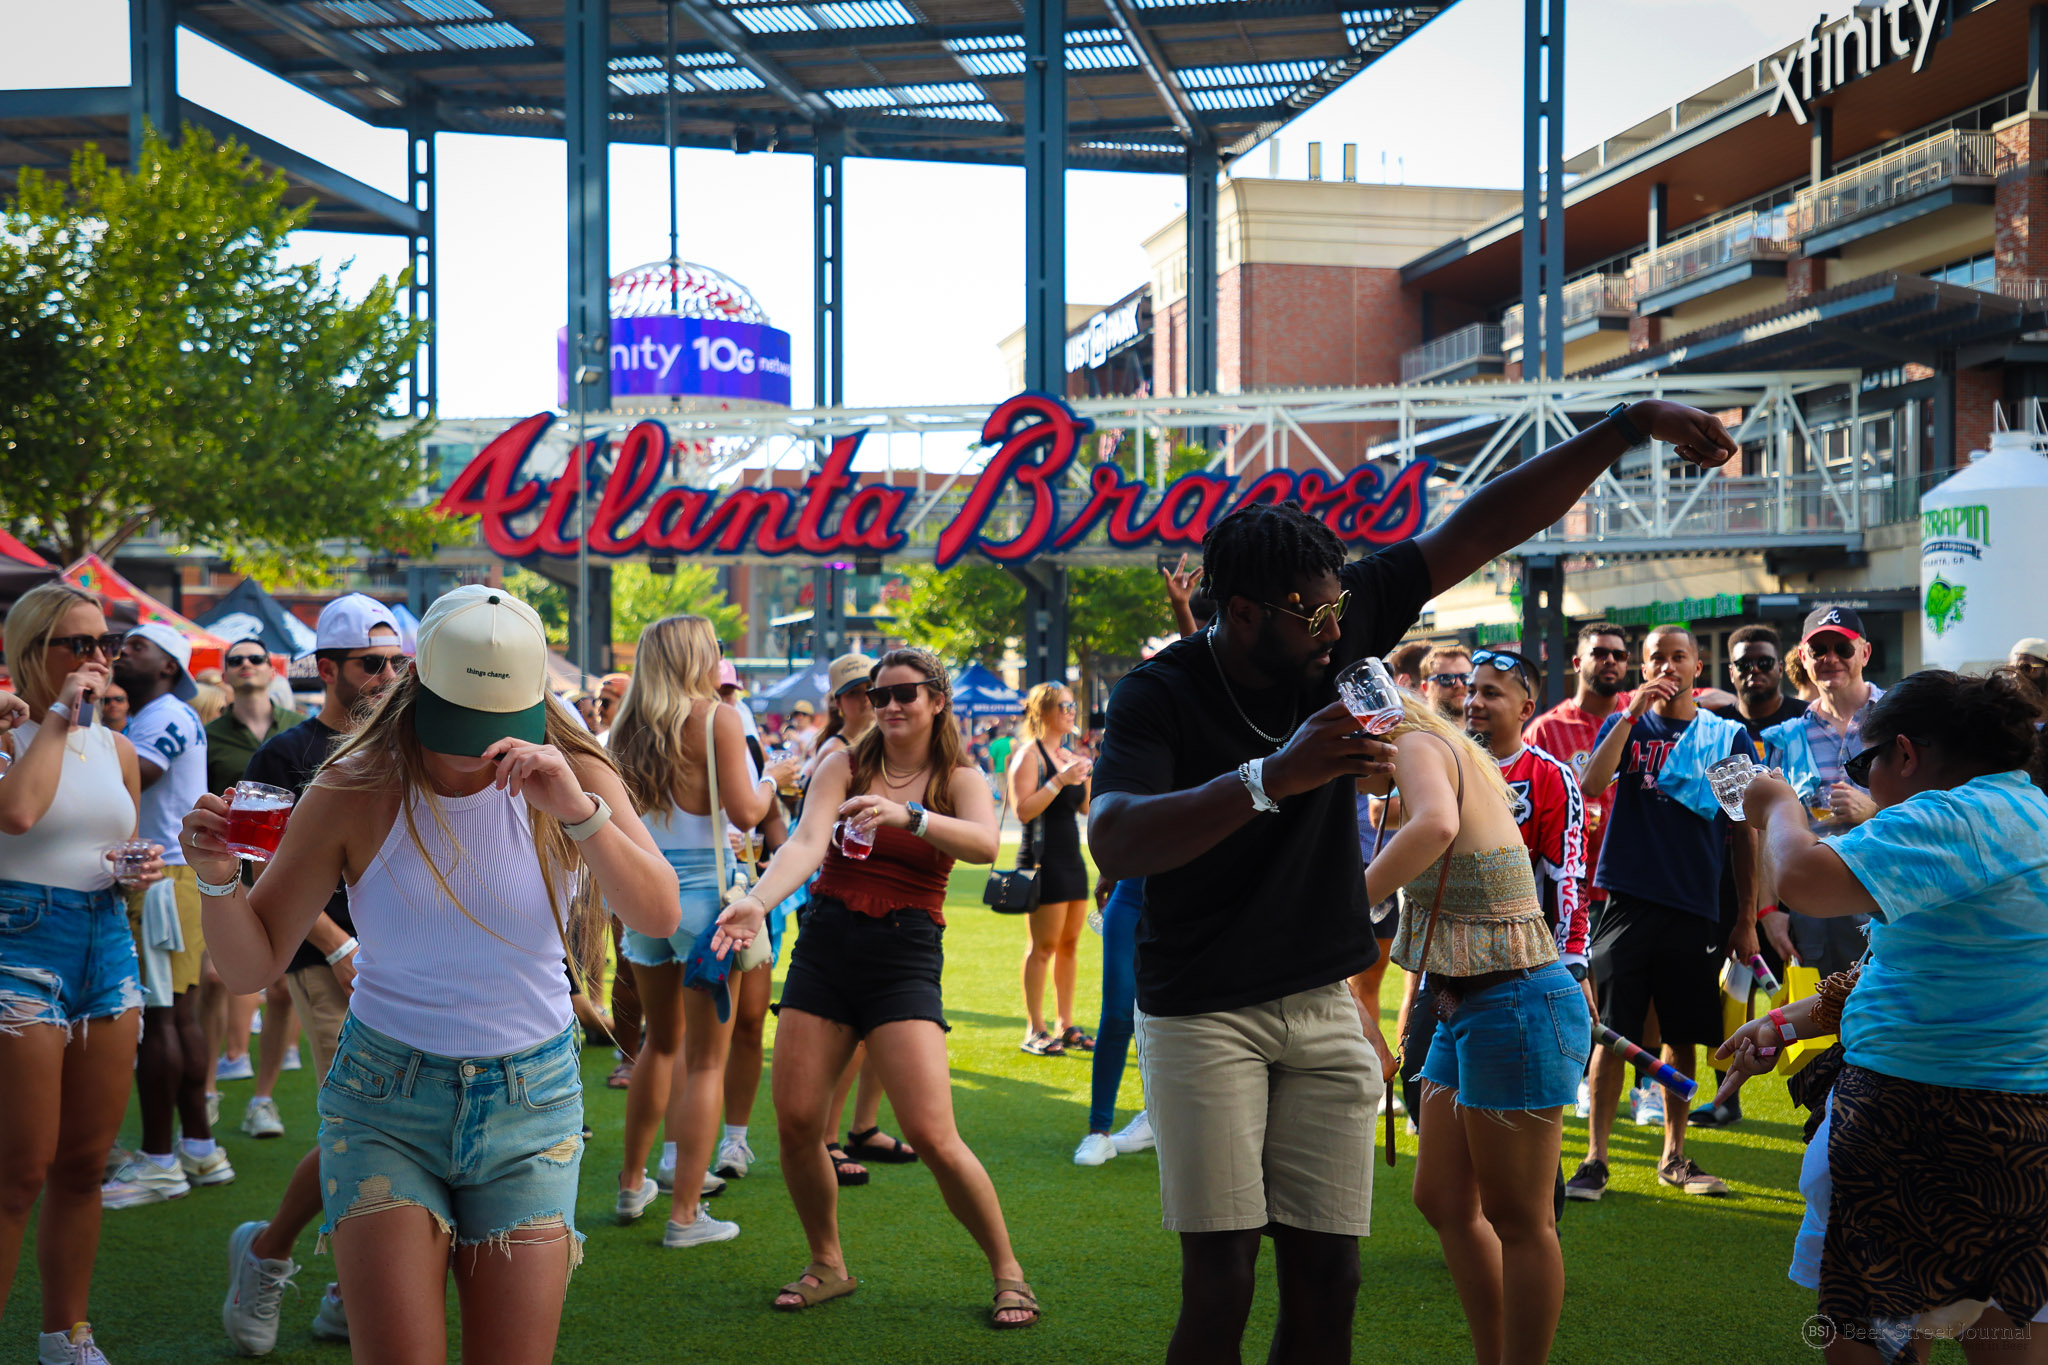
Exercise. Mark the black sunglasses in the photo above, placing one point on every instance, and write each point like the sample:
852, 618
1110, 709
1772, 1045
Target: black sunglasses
373, 664
903, 694
1599, 655
1857, 769
83, 645
1507, 661
1764, 665
1841, 649
233, 660
1450, 679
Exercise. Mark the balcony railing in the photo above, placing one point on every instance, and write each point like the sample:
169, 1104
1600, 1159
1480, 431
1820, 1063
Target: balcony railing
1951, 158
1453, 350
1745, 237
1588, 297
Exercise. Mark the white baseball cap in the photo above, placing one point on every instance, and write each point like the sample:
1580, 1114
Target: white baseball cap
167, 639
482, 670
346, 622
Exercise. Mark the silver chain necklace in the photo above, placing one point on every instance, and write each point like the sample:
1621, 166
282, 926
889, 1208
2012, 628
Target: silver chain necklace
1294, 718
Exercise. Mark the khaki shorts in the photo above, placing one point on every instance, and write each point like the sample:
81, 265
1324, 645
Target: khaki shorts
185, 963
321, 1004
1263, 1114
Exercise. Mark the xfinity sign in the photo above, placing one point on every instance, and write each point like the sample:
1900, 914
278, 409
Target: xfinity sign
672, 356
1088, 348
1854, 45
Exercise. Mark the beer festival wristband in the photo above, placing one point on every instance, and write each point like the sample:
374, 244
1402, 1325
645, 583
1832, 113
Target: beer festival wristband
219, 889
1783, 1026
348, 946
1252, 774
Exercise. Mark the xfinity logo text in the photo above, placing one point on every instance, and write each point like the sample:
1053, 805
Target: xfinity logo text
1854, 45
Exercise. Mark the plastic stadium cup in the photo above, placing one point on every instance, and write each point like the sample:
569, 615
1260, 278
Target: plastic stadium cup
1730, 778
856, 838
256, 817
129, 859
1371, 696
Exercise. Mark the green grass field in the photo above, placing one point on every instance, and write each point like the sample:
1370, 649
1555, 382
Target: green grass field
1652, 1275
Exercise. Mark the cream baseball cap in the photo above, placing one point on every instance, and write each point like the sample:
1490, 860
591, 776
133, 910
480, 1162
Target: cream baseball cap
846, 670
483, 672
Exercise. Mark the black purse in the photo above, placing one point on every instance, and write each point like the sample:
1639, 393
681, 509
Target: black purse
1016, 892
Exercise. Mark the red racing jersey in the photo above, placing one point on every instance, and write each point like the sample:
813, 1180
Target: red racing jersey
1569, 734
1552, 817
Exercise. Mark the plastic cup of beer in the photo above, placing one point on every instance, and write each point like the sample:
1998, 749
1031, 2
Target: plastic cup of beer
856, 838
257, 813
1370, 696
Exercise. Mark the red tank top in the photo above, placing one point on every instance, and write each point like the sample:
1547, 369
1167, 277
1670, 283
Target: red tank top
904, 872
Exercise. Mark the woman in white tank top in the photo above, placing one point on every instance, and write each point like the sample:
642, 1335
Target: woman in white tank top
70, 993
657, 740
462, 816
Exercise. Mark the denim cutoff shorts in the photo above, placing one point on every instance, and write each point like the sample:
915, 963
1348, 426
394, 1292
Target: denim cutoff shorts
697, 888
484, 1144
1521, 1044
65, 956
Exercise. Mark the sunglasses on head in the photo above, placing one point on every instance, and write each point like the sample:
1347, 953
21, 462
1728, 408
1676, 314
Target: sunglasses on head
1327, 614
1507, 661
84, 645
1857, 769
1841, 649
234, 660
903, 694
1758, 665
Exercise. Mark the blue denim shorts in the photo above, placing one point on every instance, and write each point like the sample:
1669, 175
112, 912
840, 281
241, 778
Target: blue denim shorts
65, 956
1521, 1044
484, 1144
697, 884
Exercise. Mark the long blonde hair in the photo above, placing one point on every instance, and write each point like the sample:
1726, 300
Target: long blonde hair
944, 755
31, 621
209, 701
1417, 714
674, 667
1038, 708
385, 750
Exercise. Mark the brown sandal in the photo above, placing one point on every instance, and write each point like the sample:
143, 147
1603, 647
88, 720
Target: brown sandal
621, 1077
1027, 1303
827, 1288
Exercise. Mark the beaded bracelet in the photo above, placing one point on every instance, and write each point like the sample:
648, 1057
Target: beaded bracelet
1830, 996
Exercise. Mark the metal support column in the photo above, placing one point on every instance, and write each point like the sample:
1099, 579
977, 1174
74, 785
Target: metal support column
828, 381
1045, 621
1045, 195
2037, 59
152, 71
1201, 248
1543, 188
586, 128
423, 376
1659, 225
1543, 623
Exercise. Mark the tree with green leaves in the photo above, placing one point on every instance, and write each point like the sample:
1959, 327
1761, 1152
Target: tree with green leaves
160, 364
640, 597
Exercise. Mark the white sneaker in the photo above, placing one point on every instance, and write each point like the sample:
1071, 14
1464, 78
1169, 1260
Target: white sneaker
291, 1059
1649, 1106
1095, 1149
211, 1169
235, 1069
330, 1320
734, 1157
262, 1119
1135, 1136
1583, 1106
142, 1181
633, 1203
74, 1347
665, 1181
255, 1293
704, 1229
212, 1109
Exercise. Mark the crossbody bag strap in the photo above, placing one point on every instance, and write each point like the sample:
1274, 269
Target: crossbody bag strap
1429, 929
718, 844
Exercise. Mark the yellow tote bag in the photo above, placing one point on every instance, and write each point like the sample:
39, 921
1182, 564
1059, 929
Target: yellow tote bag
1800, 982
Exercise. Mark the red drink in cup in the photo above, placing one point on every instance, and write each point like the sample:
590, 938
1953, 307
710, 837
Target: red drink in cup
856, 838
256, 817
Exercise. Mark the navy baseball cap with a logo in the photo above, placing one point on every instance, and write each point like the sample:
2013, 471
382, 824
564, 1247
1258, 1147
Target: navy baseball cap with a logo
1841, 620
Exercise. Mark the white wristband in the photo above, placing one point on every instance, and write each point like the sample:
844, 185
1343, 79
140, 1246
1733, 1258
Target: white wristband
349, 946
1253, 775
58, 708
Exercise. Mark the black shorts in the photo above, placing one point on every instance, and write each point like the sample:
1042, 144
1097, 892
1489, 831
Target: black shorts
1646, 953
864, 971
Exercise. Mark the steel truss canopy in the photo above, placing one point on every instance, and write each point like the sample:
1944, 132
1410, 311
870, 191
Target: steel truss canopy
1652, 502
939, 80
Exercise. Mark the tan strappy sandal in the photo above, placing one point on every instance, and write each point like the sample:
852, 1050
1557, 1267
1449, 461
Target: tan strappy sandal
1024, 1301
827, 1288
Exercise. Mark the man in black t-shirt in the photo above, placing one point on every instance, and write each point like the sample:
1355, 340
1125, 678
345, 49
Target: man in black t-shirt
1227, 782
358, 653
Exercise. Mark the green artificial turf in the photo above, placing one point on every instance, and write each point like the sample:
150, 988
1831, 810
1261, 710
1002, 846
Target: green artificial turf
1652, 1275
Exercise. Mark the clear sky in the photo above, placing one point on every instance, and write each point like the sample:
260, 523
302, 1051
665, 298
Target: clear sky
934, 252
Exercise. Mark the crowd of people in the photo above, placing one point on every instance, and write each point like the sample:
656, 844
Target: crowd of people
1560, 890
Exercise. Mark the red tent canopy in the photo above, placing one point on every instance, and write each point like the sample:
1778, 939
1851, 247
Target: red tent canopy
96, 576
11, 548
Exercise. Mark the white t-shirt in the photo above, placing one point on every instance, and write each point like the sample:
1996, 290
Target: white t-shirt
167, 733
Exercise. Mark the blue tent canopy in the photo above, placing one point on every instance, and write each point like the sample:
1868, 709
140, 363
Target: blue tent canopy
247, 612
978, 692
806, 684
